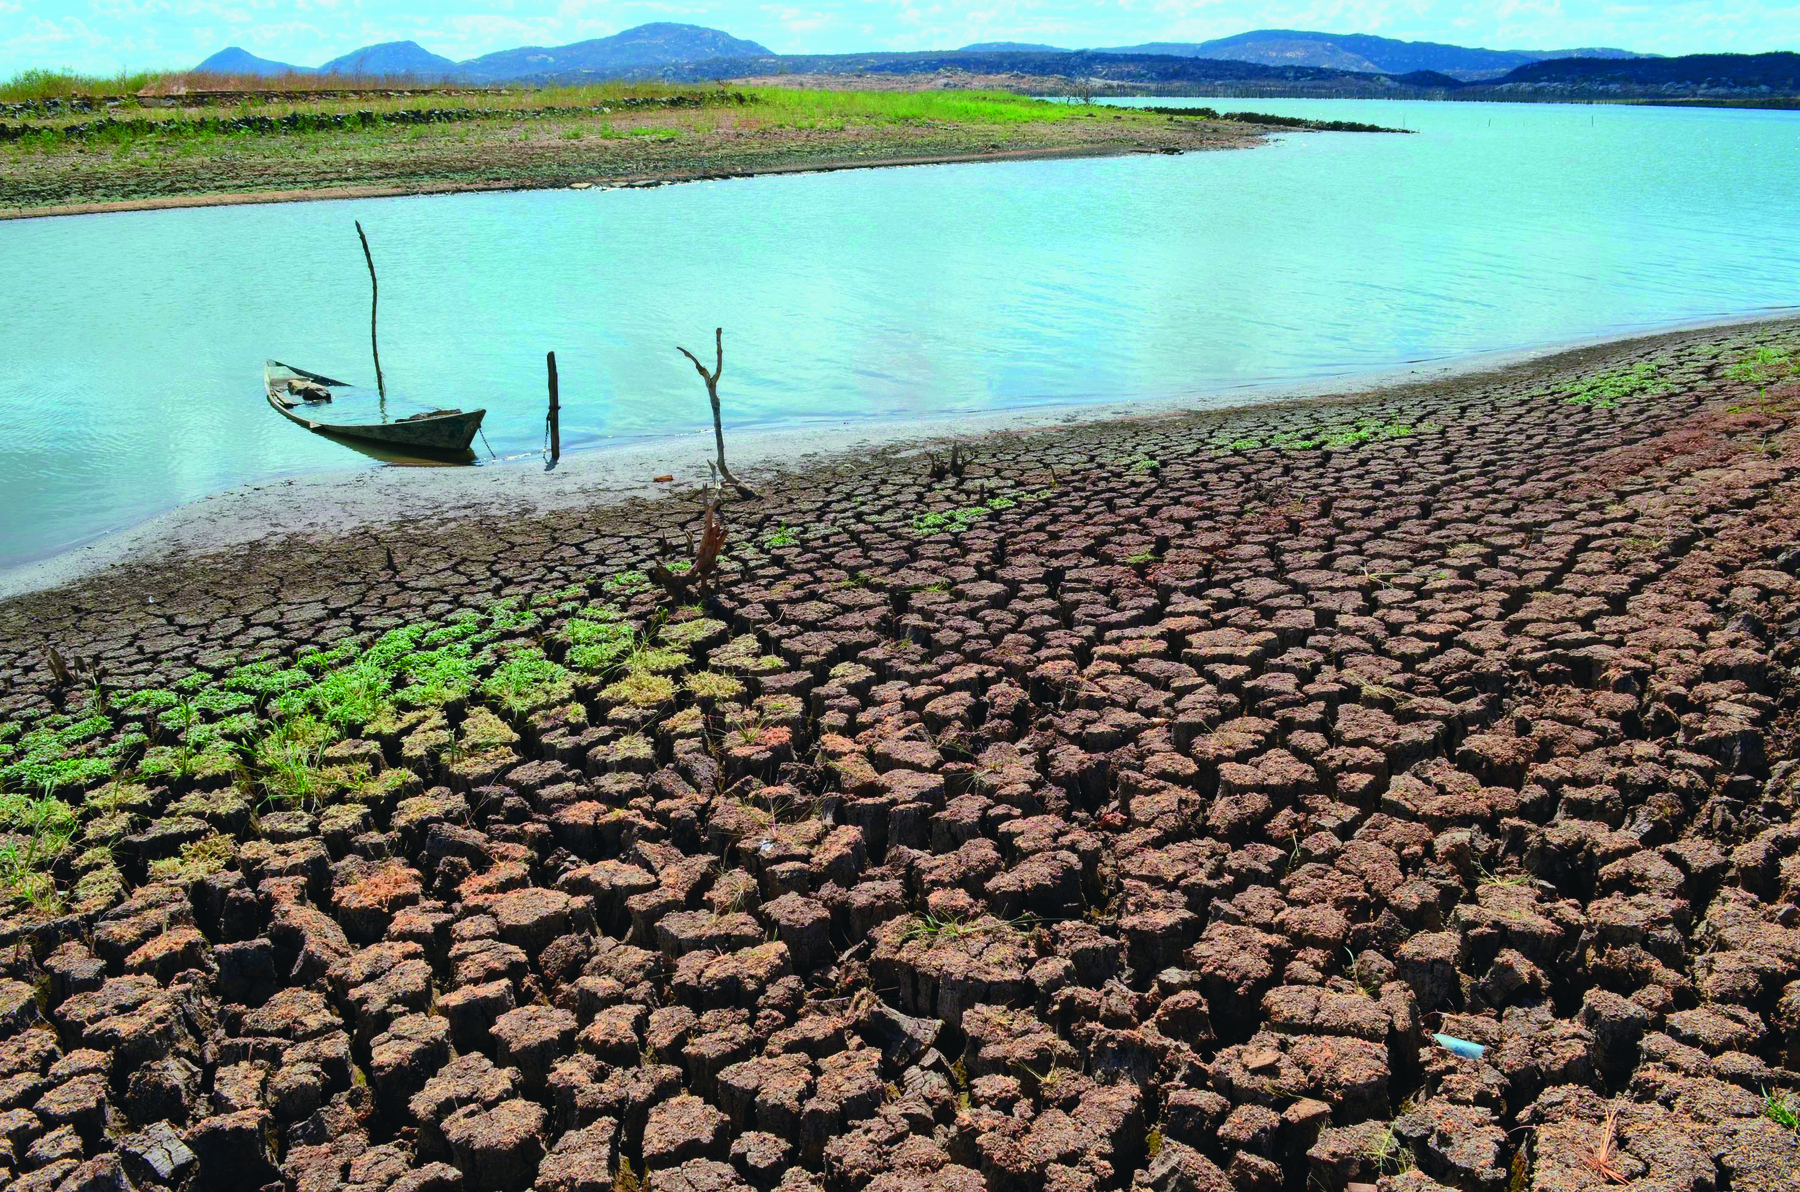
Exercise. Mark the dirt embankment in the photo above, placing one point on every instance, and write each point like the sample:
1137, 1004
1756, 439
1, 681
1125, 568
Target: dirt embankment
1140, 808
628, 149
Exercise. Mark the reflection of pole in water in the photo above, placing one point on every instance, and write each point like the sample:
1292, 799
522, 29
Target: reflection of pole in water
374, 297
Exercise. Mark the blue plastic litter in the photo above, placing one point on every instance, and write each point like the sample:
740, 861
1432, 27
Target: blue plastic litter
1462, 1047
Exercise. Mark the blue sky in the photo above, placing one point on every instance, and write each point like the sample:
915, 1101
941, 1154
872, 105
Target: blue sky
106, 35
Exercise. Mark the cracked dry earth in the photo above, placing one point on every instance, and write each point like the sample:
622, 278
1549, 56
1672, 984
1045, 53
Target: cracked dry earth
1133, 811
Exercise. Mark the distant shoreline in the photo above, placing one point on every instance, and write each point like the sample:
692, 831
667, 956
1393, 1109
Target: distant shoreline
646, 179
414, 150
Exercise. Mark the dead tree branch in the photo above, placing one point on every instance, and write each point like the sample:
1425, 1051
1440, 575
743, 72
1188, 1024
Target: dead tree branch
695, 581
71, 672
712, 393
59, 666
955, 465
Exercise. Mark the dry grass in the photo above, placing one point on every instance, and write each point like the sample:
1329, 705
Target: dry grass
1600, 1159
38, 83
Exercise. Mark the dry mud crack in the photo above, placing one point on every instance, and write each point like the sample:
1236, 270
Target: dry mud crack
1135, 810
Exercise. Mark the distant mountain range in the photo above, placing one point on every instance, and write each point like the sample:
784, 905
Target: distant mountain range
392, 58
1263, 62
666, 44
1011, 47
1336, 51
1719, 76
236, 61
1364, 53
660, 44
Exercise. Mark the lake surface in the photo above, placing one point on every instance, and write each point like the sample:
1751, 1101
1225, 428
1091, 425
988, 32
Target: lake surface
132, 347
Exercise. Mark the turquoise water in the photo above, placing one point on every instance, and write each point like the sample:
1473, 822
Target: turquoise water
131, 353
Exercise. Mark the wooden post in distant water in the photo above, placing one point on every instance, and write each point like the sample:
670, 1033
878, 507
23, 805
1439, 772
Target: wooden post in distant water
374, 297
555, 416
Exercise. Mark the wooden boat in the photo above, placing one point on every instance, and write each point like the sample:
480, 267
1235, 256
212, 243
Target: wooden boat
432, 430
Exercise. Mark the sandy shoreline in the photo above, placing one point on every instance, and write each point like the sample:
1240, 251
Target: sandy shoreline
342, 502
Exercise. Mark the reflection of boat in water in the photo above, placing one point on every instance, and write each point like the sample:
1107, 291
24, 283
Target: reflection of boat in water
301, 397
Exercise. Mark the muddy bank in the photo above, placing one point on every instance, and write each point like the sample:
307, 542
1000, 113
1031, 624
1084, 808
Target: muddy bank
452, 159
1135, 809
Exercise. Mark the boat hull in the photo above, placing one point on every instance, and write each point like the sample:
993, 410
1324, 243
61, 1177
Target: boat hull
433, 432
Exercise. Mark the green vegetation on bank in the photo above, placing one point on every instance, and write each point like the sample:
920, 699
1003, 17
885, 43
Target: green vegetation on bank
342, 730
159, 144
1332, 438
795, 106
185, 111
1763, 365
1606, 390
37, 83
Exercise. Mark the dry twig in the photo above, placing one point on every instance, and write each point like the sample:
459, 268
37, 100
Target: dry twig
955, 466
1600, 1160
59, 666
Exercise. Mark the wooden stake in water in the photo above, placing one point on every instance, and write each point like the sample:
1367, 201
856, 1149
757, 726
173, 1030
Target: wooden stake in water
554, 418
374, 298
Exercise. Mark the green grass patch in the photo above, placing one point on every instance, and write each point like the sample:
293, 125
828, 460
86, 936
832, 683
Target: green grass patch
956, 521
656, 660
437, 677
352, 696
1762, 366
37, 832
1388, 1153
286, 764
933, 928
506, 617
61, 753
150, 700
1605, 390
816, 108
687, 634
316, 661
640, 689
36, 83
1327, 438
527, 682
481, 730
264, 680
198, 859
711, 685
1780, 1109
626, 583
745, 654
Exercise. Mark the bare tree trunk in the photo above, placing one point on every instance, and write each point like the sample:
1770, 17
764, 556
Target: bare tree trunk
712, 393
374, 298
